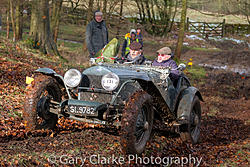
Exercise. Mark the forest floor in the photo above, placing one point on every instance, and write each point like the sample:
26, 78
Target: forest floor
225, 127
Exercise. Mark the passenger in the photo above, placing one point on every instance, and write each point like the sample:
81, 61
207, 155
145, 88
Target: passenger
135, 54
128, 40
164, 59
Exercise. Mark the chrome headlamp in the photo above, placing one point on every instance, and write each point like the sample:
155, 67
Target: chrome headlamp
110, 81
72, 78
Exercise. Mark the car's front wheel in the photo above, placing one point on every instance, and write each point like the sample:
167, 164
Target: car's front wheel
40, 97
137, 122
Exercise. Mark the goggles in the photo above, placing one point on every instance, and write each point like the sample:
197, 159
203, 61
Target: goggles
162, 55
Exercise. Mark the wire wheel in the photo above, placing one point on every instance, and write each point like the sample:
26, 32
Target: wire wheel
137, 122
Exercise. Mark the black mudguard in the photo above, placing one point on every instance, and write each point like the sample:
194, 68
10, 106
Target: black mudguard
48, 71
184, 107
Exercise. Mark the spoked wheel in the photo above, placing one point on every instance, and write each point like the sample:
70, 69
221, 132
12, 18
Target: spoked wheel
141, 125
192, 133
137, 122
42, 94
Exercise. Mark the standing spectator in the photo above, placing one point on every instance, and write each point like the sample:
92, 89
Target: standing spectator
139, 35
96, 34
128, 40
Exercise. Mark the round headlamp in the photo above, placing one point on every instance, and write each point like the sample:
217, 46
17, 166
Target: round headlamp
110, 81
72, 78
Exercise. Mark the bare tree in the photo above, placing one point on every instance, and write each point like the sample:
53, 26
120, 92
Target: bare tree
182, 29
74, 4
12, 16
34, 20
157, 15
48, 46
55, 19
90, 10
19, 20
8, 20
104, 9
121, 10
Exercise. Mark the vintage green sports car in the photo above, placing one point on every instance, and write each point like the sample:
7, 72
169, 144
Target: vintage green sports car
129, 97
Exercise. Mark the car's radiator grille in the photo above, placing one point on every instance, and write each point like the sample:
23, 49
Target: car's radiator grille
97, 97
93, 81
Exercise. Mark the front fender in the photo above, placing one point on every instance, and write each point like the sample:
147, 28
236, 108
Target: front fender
48, 71
185, 103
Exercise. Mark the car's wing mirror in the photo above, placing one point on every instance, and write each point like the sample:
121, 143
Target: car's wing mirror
181, 67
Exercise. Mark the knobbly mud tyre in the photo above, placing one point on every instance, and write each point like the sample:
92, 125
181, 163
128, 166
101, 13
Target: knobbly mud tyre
37, 90
192, 133
137, 122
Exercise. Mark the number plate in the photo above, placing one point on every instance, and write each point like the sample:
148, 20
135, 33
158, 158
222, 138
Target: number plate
83, 110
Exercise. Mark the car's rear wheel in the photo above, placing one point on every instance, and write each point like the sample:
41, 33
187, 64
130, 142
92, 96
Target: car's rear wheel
192, 132
137, 122
41, 95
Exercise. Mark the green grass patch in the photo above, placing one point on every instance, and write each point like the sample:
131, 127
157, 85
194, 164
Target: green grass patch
72, 32
70, 46
196, 72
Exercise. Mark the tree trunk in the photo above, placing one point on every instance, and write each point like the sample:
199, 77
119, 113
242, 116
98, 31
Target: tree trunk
34, 20
152, 10
90, 10
19, 21
148, 11
89, 18
143, 11
120, 18
172, 21
182, 29
55, 19
12, 19
8, 20
139, 9
48, 46
104, 10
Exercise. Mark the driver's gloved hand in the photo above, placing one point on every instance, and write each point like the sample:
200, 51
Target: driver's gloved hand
92, 61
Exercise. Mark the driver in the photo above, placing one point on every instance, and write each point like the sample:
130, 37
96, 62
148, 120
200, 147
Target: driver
135, 54
164, 59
